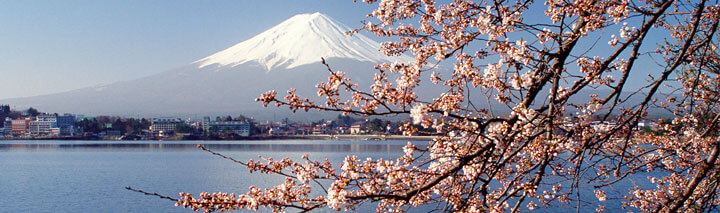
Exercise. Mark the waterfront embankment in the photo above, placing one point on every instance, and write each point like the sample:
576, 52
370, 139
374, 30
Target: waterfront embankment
249, 138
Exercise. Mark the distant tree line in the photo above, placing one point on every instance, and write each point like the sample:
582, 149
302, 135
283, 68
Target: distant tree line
113, 123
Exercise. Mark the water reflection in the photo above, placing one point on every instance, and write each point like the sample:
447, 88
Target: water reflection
170, 147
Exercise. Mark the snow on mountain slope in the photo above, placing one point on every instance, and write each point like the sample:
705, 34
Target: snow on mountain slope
300, 40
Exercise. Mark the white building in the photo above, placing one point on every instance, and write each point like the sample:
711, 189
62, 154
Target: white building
52, 124
241, 128
42, 124
165, 125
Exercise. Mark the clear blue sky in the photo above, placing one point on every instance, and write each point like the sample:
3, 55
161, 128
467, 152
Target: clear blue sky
54, 46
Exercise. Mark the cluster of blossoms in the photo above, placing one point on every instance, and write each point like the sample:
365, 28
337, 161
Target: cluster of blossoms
511, 136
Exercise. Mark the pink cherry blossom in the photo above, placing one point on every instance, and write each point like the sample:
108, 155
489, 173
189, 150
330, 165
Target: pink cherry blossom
514, 115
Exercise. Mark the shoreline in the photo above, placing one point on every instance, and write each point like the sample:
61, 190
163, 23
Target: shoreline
240, 138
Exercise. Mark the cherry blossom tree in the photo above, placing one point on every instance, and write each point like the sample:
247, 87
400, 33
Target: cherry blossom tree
512, 134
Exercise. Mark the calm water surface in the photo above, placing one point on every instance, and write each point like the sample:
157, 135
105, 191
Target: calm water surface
82, 176
90, 176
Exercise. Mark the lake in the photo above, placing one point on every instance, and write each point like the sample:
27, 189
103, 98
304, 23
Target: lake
82, 176
91, 176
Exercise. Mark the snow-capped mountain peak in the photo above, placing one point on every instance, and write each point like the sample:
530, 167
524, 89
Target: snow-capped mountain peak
299, 40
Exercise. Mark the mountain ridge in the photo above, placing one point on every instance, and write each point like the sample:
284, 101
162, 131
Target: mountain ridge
222, 87
228, 81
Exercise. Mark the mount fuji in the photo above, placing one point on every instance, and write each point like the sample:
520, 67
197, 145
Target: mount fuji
299, 41
285, 56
